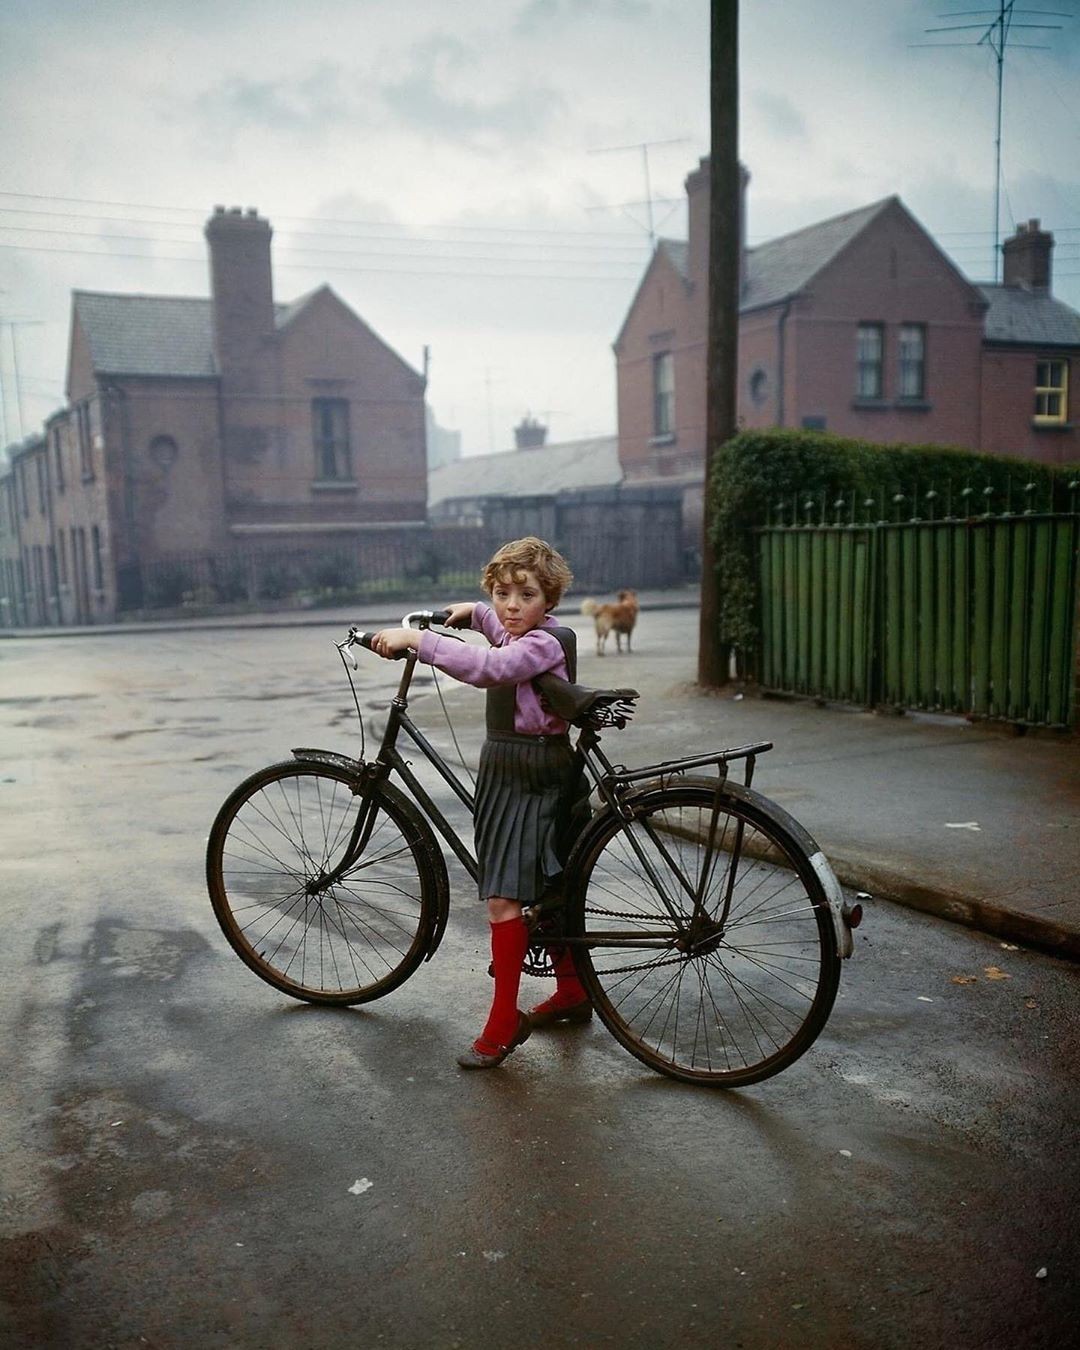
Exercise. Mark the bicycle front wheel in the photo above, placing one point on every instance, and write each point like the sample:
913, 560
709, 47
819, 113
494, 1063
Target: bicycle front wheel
304, 923
705, 940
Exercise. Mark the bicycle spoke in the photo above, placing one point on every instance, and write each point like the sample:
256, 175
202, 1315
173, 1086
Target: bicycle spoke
271, 865
738, 985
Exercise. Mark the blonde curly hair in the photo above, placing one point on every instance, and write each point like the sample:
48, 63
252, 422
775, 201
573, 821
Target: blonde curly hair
513, 560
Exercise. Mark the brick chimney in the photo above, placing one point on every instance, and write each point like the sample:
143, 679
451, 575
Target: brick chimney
698, 194
241, 289
1027, 257
530, 434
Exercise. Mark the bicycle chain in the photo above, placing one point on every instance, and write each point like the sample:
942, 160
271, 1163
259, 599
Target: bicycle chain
681, 959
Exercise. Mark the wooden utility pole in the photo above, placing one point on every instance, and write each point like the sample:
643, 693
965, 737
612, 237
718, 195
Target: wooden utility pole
723, 326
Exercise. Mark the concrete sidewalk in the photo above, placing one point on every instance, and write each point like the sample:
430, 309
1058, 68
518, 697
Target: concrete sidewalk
973, 823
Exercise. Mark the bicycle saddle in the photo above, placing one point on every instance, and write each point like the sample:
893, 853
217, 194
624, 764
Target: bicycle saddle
582, 706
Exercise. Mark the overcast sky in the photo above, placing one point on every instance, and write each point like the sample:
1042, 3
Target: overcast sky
452, 169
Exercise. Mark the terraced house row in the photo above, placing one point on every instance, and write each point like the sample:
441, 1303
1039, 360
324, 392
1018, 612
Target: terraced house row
203, 427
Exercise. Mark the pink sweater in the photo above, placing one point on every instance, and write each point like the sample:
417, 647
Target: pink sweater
509, 660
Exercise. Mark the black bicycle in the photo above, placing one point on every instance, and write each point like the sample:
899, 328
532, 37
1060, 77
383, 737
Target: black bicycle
705, 923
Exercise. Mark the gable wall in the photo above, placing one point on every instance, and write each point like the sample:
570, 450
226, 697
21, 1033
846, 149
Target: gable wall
328, 353
665, 316
891, 274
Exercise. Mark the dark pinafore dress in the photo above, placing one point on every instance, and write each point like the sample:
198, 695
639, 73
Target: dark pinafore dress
531, 798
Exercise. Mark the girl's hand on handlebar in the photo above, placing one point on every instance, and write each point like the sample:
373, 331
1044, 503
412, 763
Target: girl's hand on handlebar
392, 642
460, 615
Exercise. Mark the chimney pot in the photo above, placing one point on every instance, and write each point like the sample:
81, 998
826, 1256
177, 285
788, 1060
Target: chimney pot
1027, 257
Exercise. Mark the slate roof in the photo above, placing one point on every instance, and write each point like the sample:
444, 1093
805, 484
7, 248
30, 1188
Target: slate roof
678, 250
783, 266
1030, 318
544, 469
155, 334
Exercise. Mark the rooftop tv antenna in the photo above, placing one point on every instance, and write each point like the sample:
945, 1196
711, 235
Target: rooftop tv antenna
644, 147
995, 35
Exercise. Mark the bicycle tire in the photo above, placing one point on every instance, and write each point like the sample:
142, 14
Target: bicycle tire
272, 843
741, 996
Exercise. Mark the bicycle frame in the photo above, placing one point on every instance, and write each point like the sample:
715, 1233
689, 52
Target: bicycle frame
614, 786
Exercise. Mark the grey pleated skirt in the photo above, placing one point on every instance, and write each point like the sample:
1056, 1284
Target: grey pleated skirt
526, 790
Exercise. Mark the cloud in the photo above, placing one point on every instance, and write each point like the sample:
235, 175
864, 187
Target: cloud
539, 15
778, 116
303, 106
425, 100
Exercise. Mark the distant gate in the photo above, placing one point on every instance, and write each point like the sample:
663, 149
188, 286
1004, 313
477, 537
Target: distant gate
973, 615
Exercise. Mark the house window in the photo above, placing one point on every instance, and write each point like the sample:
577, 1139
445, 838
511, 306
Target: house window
869, 361
95, 540
86, 460
1051, 392
663, 394
163, 451
21, 481
58, 451
330, 431
62, 540
40, 483
912, 361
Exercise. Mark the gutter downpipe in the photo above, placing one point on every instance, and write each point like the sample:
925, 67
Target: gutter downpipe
781, 372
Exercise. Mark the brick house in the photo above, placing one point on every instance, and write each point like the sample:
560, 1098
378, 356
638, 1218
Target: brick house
859, 325
199, 426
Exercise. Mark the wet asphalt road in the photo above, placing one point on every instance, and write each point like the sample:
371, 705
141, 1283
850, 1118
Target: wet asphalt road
181, 1145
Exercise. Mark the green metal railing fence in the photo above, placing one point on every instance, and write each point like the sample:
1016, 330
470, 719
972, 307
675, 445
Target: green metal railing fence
972, 614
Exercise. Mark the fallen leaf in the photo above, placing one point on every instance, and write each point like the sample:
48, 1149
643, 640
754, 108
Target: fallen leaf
1009, 947
964, 979
1041, 1273
845, 1153
995, 973
360, 1185
1030, 1003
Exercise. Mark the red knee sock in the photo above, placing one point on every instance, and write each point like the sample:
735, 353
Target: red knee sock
568, 988
509, 942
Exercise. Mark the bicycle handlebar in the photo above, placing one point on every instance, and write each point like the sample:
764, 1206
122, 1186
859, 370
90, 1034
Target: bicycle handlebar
417, 618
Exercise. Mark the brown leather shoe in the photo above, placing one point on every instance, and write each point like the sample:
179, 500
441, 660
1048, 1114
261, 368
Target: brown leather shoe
476, 1059
541, 1016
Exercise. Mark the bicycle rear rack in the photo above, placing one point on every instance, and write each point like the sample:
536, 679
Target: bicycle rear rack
672, 767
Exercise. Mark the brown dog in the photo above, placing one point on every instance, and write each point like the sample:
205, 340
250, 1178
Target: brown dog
618, 618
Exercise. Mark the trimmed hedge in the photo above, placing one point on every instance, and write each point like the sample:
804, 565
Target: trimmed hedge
762, 477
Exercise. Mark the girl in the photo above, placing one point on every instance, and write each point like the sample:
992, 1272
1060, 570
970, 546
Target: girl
529, 786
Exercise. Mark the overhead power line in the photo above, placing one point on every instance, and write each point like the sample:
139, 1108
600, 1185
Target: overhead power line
201, 214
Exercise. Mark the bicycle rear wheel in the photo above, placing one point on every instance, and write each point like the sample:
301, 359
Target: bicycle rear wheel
312, 930
726, 998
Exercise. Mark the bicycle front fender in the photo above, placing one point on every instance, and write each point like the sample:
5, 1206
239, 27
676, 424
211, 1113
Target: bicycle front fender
416, 822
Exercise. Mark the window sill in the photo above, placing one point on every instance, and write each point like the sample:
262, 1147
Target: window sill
335, 485
870, 405
913, 405
1053, 426
668, 438
88, 478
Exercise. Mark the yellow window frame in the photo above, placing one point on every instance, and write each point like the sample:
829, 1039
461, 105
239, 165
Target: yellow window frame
1046, 391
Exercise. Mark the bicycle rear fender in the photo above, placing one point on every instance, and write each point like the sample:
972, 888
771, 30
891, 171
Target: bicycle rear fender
799, 834
416, 822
